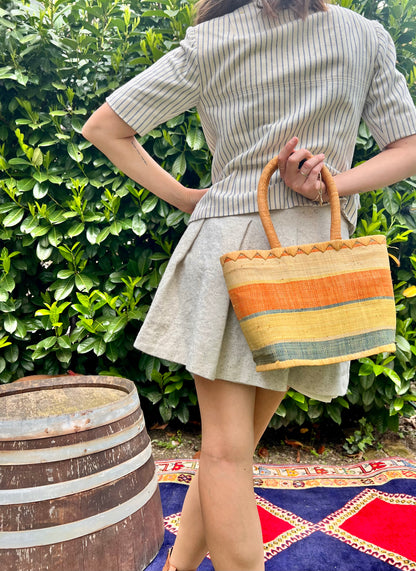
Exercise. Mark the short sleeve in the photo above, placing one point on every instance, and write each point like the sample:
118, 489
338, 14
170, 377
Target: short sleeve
389, 112
164, 90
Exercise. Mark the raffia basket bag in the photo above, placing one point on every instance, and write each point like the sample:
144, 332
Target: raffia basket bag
312, 304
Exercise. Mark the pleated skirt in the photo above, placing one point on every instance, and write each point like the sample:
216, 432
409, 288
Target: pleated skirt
191, 320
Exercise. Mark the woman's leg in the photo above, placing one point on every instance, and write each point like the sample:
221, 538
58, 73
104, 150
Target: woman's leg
190, 547
229, 512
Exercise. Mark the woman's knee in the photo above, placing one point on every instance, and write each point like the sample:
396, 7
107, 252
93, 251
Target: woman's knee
227, 449
227, 420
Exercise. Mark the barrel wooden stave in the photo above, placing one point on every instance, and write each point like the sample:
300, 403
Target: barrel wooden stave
113, 520
116, 549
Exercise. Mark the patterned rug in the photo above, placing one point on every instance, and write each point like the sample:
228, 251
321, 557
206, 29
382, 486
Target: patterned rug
359, 517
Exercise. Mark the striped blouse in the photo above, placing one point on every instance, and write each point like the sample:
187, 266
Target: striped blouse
257, 81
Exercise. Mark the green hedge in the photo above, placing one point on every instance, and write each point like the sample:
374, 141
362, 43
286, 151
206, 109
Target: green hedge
83, 248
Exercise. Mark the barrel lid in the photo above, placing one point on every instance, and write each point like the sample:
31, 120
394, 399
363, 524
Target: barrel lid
45, 407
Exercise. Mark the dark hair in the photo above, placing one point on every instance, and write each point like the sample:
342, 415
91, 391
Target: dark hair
208, 9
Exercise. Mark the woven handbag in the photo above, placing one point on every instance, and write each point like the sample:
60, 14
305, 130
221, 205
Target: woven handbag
312, 304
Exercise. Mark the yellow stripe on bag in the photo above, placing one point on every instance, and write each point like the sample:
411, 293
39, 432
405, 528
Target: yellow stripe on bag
330, 323
240, 272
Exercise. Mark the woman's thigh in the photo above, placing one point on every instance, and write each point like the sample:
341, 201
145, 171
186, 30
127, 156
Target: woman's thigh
233, 416
227, 411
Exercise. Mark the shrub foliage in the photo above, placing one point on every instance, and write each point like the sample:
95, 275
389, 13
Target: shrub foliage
83, 248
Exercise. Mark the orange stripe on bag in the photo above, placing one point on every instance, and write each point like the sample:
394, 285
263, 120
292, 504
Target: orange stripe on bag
301, 294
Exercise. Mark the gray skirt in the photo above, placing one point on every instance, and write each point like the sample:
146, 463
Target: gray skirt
191, 320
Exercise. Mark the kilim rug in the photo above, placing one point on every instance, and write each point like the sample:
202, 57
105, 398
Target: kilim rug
359, 517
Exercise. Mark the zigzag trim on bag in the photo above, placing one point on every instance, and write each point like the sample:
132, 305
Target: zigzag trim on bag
307, 249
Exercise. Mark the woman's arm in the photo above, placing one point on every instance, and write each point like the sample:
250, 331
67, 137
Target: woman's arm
396, 162
112, 136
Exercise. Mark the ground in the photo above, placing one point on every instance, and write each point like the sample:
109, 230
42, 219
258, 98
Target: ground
314, 445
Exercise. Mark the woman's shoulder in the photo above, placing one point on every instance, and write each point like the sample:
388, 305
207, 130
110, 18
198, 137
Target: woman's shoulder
350, 16
370, 30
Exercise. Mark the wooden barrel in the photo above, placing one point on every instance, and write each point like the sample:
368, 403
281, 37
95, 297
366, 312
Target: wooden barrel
78, 488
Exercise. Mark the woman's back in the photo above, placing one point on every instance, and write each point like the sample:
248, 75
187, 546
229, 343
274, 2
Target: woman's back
257, 79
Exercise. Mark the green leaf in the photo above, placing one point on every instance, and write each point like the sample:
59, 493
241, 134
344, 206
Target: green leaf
334, 413
40, 190
183, 413
138, 225
172, 123
29, 224
403, 344
13, 218
102, 235
74, 152
7, 207
195, 139
46, 343
297, 396
174, 218
39, 231
7, 283
153, 396
54, 179
165, 411
64, 289
55, 237
367, 382
368, 397
86, 345
64, 355
179, 166
43, 253
116, 227
83, 282
115, 327
77, 124
112, 352
4, 342
149, 204
64, 342
64, 274
11, 354
391, 201
397, 404
37, 158
25, 184
92, 233
99, 347
10, 323
393, 376
76, 229
343, 402
21, 329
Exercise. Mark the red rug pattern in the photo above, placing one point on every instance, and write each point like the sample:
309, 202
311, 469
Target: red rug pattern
380, 524
374, 522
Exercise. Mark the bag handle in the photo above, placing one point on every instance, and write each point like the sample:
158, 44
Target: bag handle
263, 204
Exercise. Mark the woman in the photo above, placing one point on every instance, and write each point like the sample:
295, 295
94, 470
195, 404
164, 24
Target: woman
277, 75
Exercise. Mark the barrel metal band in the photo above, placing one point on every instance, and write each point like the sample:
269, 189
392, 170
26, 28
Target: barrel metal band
65, 488
44, 455
81, 528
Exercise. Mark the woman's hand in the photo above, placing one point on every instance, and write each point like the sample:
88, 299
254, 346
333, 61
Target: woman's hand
301, 171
